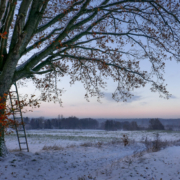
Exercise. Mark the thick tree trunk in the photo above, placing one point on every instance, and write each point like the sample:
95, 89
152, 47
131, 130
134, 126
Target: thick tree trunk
6, 80
3, 149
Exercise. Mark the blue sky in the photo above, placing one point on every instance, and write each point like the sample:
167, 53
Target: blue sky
144, 104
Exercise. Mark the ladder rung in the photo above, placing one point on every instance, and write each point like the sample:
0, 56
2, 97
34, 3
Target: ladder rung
22, 143
21, 130
21, 136
24, 148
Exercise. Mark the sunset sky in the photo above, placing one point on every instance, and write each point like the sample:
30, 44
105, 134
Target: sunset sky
144, 104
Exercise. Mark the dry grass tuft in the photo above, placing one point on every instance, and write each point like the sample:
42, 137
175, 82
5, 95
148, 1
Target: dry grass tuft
55, 148
87, 144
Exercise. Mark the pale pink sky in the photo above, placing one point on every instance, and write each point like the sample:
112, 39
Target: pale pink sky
144, 104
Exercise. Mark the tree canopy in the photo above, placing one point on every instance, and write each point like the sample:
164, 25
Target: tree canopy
88, 40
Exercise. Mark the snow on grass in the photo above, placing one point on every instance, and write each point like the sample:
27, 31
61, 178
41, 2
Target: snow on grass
90, 154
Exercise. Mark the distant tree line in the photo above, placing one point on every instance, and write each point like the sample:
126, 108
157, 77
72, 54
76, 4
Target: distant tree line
89, 123
64, 123
111, 125
155, 124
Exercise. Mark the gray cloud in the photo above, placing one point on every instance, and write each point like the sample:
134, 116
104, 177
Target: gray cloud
173, 97
134, 98
108, 96
72, 105
143, 103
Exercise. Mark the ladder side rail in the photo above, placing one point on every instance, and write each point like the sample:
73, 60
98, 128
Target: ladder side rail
15, 122
22, 121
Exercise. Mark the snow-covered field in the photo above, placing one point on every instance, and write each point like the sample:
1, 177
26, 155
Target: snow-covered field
90, 154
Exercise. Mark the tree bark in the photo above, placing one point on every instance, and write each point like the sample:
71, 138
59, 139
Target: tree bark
5, 85
3, 149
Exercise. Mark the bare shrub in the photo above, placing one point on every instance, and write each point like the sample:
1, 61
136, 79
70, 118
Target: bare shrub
148, 143
125, 139
157, 144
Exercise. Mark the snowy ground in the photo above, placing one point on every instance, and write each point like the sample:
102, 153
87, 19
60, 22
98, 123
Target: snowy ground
90, 154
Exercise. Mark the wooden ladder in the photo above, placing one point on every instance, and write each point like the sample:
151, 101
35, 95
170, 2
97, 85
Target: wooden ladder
18, 119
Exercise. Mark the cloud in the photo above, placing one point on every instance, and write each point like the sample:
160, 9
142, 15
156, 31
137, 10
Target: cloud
108, 97
173, 97
73, 105
134, 98
143, 103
